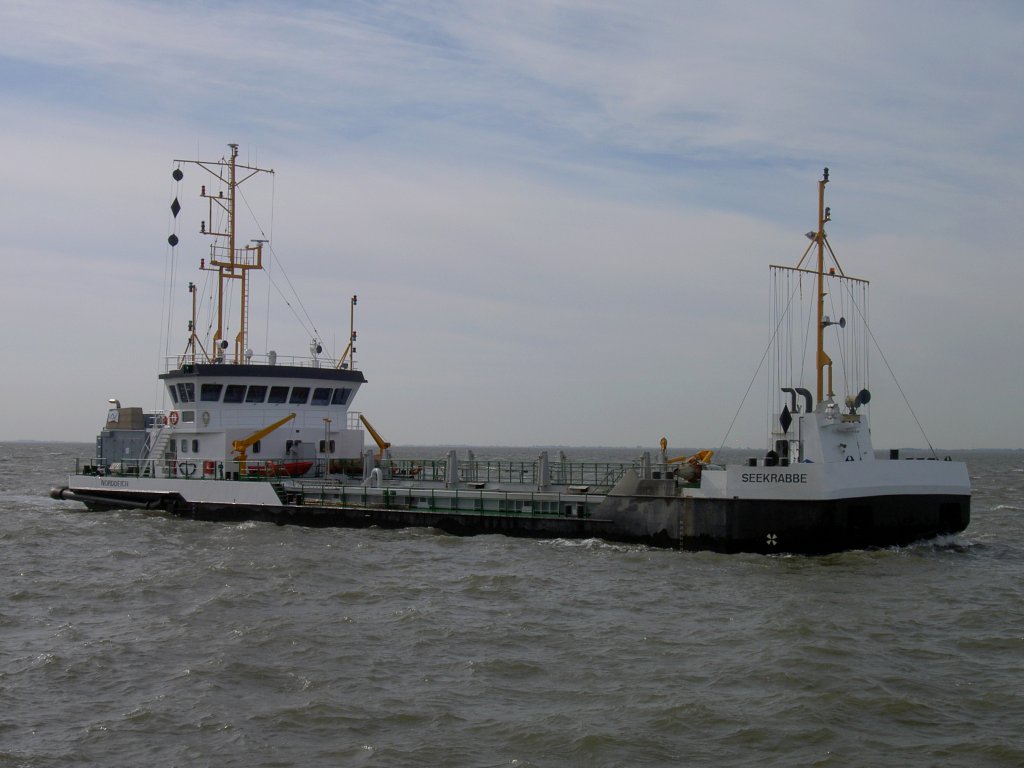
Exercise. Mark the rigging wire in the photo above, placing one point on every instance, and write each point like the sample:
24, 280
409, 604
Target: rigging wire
298, 299
775, 362
170, 277
867, 357
206, 306
896, 381
807, 336
790, 358
166, 304
753, 378
284, 298
273, 198
840, 342
860, 356
783, 287
774, 373
270, 246
170, 271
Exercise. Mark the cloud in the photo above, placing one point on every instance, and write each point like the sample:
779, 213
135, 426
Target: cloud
556, 214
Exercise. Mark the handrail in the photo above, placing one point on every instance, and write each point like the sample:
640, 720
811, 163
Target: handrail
542, 504
177, 362
595, 475
188, 467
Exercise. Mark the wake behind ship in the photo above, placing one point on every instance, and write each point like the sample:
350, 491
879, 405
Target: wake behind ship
271, 438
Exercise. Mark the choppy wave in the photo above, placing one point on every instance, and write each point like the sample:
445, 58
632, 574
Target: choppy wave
131, 638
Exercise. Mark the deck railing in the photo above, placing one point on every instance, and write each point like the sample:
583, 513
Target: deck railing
458, 501
321, 361
583, 477
192, 468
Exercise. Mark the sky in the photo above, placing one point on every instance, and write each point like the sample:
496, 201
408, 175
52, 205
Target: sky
558, 215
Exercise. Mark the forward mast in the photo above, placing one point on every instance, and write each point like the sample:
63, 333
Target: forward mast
229, 261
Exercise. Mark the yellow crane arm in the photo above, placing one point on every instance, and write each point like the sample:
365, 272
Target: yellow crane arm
380, 441
241, 446
701, 457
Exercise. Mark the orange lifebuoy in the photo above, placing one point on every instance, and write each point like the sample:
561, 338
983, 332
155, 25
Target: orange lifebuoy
173, 418
163, 420
209, 467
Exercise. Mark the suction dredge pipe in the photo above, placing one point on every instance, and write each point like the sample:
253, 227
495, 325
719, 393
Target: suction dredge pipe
66, 494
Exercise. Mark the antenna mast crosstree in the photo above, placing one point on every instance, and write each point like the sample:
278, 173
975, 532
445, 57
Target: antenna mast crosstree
229, 261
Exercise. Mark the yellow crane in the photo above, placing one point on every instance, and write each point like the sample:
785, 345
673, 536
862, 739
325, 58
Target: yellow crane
691, 465
382, 444
241, 446
700, 457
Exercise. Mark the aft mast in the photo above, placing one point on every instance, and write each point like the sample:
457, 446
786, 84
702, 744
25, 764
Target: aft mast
795, 355
819, 242
822, 358
229, 261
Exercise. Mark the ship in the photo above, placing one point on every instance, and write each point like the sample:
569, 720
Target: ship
264, 437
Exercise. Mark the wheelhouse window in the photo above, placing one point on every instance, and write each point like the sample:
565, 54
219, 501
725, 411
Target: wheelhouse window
257, 394
322, 396
173, 391
210, 393
234, 393
187, 392
340, 396
299, 395
278, 395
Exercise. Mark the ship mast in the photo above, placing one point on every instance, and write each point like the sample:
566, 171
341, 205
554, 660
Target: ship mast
832, 275
230, 262
822, 358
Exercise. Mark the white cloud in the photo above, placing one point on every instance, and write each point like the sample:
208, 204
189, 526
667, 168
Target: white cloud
557, 214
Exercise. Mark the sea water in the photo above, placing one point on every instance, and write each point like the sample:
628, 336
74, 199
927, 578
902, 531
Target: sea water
133, 638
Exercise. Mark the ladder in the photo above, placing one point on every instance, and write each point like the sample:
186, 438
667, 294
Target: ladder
156, 449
